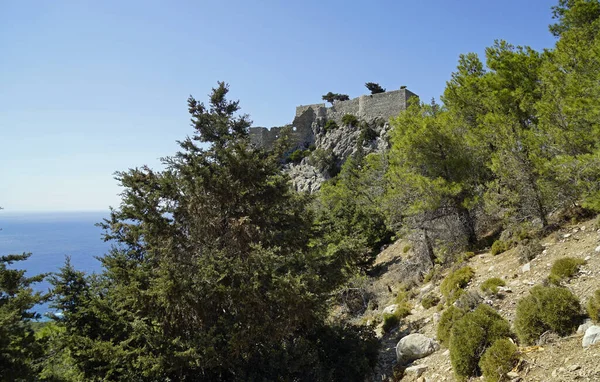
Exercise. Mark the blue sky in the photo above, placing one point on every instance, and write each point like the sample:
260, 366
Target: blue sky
91, 87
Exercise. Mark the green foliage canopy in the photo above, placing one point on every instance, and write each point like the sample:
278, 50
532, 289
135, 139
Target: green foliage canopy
20, 353
212, 277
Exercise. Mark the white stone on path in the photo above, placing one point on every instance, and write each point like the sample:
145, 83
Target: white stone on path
390, 309
417, 370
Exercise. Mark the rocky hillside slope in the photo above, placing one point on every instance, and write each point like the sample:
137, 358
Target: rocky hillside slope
553, 359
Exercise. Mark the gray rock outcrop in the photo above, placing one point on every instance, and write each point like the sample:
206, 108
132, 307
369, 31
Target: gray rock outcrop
341, 143
305, 178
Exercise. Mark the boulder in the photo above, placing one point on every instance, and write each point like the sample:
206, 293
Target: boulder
591, 336
415, 346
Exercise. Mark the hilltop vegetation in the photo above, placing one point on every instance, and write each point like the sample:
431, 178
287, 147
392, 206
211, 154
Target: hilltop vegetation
221, 272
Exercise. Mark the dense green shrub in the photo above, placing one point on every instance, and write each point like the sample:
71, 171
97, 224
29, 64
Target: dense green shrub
325, 161
472, 335
403, 310
434, 274
401, 295
298, 155
499, 359
391, 320
593, 306
404, 307
467, 299
367, 134
349, 120
449, 317
490, 286
546, 308
466, 256
498, 247
430, 301
330, 125
455, 281
565, 268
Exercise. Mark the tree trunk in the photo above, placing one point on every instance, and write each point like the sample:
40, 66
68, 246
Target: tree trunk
428, 247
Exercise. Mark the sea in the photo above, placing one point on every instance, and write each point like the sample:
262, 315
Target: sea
50, 238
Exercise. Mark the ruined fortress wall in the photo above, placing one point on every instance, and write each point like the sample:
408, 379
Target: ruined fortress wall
383, 105
365, 107
341, 108
317, 108
369, 107
263, 137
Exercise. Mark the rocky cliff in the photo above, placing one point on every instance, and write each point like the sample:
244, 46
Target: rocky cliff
327, 139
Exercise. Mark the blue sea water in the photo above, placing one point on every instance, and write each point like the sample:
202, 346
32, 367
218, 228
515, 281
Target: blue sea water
50, 237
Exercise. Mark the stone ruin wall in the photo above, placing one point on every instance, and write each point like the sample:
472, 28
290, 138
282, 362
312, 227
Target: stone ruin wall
310, 118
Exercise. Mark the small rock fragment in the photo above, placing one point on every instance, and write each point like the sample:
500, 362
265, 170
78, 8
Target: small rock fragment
526, 268
426, 288
416, 370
